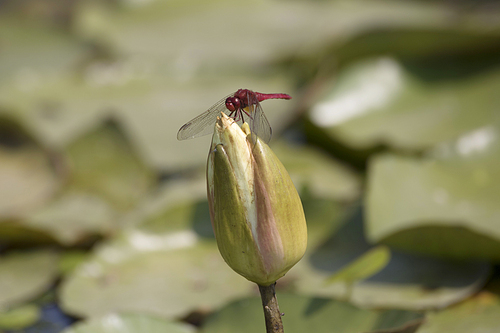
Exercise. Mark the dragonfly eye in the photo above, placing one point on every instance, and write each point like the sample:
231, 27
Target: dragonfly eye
233, 103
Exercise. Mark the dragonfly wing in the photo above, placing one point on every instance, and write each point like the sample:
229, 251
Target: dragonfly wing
204, 123
260, 124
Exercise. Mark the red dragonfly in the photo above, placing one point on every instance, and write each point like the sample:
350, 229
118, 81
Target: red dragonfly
244, 103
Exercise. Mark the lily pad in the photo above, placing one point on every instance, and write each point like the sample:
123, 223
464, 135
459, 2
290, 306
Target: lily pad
32, 52
406, 282
301, 314
324, 218
19, 318
28, 178
479, 314
191, 37
367, 265
445, 204
177, 205
73, 218
104, 163
25, 275
70, 219
420, 283
168, 275
449, 44
380, 101
165, 263
317, 173
130, 323
70, 260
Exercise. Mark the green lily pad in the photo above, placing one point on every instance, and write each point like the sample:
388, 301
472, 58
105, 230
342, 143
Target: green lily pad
70, 219
324, 218
419, 283
305, 313
382, 102
367, 265
448, 44
479, 314
165, 275
165, 262
445, 204
19, 318
28, 178
25, 275
73, 218
317, 173
178, 31
70, 260
130, 323
104, 163
406, 282
31, 52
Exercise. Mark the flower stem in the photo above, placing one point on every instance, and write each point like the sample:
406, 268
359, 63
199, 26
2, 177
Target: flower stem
271, 310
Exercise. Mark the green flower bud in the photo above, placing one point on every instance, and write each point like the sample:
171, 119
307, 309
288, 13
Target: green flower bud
256, 212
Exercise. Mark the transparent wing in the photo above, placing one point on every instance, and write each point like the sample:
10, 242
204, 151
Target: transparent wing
204, 123
259, 124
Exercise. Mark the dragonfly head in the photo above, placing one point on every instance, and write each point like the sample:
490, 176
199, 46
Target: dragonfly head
233, 103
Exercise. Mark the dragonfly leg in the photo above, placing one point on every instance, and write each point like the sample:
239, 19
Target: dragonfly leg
237, 117
248, 114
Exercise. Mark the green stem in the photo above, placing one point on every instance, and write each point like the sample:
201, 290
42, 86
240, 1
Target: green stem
271, 310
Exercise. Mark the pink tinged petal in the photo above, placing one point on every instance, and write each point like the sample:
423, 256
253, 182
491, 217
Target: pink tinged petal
267, 237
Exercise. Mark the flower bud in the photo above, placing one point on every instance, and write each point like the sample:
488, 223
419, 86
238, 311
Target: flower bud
256, 212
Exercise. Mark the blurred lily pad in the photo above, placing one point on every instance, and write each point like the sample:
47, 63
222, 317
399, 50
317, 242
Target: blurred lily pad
317, 173
450, 44
174, 206
383, 101
28, 178
70, 260
164, 263
73, 218
103, 162
445, 204
20, 317
406, 282
478, 314
367, 265
32, 52
70, 219
191, 37
419, 283
305, 313
25, 275
130, 323
324, 218
169, 276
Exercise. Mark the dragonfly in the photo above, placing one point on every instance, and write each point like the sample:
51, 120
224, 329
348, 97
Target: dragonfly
241, 105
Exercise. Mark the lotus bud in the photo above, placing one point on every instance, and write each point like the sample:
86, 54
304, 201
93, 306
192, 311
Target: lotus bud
256, 212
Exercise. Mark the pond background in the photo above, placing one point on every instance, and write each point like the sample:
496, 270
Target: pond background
392, 138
